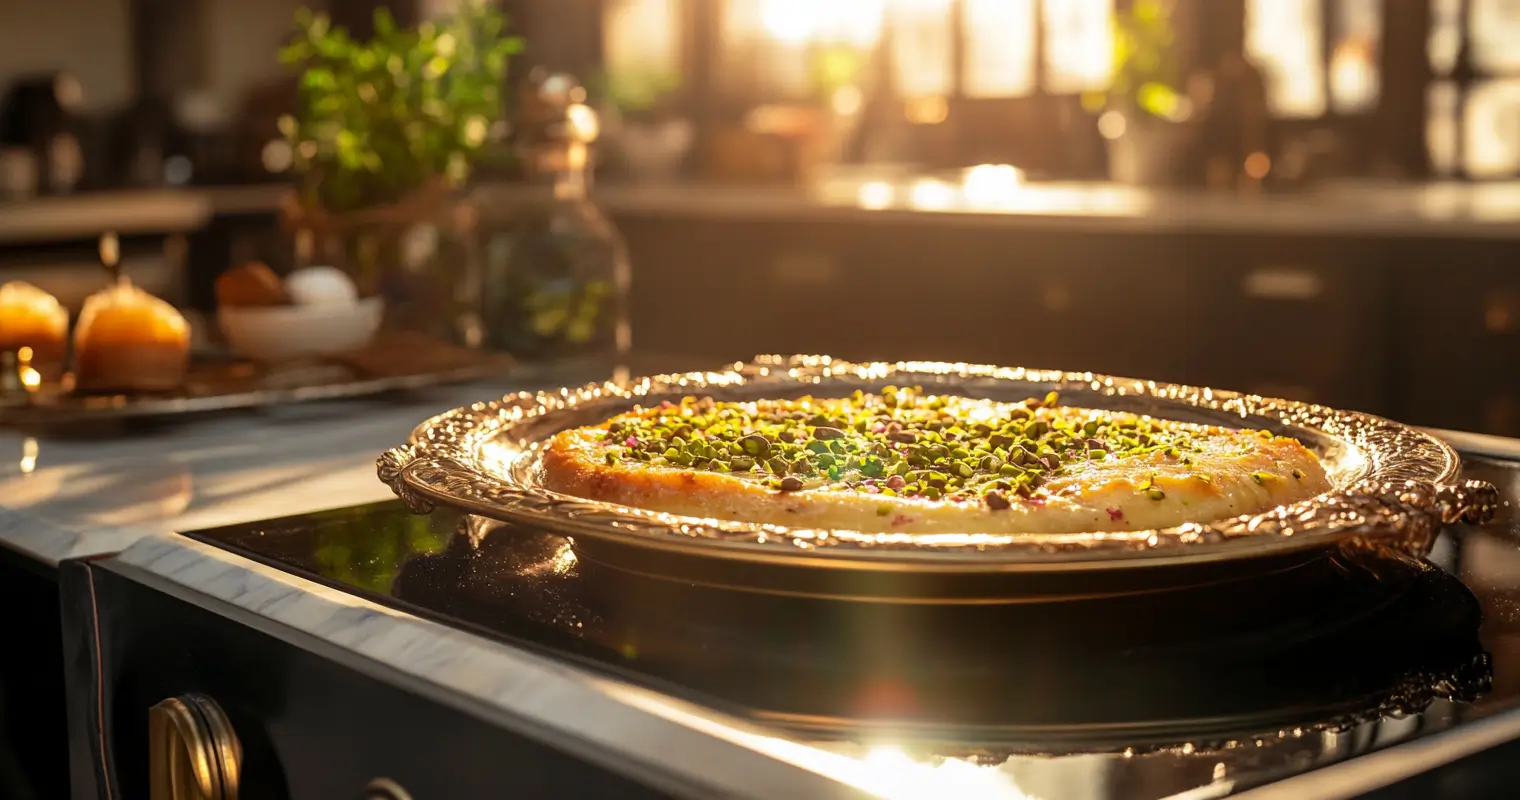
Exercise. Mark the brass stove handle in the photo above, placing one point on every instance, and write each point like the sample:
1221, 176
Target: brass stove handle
193, 752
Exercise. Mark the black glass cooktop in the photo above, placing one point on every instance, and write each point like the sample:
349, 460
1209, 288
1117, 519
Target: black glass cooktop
1218, 688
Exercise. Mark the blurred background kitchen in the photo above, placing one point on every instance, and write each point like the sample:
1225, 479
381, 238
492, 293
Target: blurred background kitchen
1317, 199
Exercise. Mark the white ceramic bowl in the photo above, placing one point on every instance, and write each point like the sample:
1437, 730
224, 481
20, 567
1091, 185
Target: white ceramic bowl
272, 334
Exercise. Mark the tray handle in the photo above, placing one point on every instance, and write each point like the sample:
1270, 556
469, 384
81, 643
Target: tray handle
1471, 501
392, 467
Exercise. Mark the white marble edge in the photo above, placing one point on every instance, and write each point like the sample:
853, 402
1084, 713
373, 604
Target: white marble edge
50, 543
83, 498
597, 717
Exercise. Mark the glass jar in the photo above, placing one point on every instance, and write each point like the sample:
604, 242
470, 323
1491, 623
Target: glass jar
554, 270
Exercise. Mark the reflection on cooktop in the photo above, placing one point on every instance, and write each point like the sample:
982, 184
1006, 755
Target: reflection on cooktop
1225, 686
1211, 664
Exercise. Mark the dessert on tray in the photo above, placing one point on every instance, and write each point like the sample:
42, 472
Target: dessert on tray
127, 340
30, 317
906, 462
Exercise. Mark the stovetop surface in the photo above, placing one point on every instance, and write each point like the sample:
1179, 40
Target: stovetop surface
1209, 691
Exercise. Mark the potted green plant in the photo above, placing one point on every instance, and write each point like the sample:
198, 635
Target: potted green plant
649, 137
384, 134
1144, 110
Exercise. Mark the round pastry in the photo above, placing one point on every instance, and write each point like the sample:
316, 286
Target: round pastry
321, 286
130, 341
252, 285
30, 317
905, 462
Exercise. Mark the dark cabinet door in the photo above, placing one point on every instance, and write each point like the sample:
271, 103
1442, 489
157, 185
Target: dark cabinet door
33, 739
895, 289
1458, 337
1298, 317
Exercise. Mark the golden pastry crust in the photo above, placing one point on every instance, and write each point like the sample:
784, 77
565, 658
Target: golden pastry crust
902, 462
130, 341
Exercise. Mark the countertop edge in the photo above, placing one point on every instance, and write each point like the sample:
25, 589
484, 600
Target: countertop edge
1435, 212
590, 710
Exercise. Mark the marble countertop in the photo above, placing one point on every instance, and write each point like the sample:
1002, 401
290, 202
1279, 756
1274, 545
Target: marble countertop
70, 498
65, 499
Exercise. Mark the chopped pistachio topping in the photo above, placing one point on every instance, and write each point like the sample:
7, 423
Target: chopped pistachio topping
899, 443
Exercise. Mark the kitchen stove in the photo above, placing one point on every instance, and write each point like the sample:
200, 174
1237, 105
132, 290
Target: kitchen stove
1247, 687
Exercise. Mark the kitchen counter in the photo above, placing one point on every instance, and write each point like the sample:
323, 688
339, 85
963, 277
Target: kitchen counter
1442, 210
73, 498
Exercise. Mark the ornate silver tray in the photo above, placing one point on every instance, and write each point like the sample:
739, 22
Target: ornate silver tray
1394, 487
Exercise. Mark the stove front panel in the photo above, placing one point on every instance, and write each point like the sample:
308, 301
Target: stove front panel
311, 721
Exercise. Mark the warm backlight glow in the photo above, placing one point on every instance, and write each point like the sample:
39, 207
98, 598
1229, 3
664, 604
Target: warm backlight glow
931, 110
1079, 44
876, 194
1000, 48
1355, 78
931, 195
847, 101
28, 456
1257, 165
894, 774
1112, 125
1283, 37
856, 22
882, 771
923, 45
30, 377
789, 21
991, 185
642, 35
